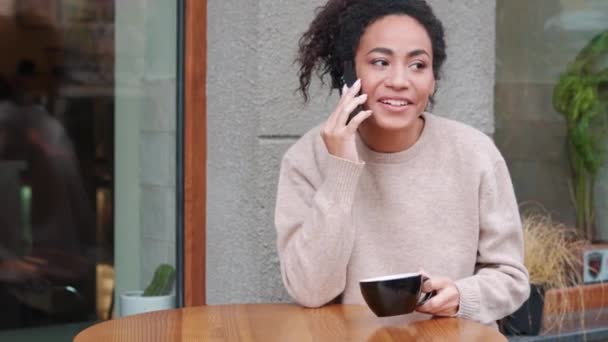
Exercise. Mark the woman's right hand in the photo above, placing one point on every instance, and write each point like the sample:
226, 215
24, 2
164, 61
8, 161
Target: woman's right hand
339, 138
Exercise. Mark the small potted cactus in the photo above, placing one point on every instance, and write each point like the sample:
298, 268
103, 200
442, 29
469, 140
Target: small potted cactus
157, 295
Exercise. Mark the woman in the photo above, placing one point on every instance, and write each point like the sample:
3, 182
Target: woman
396, 189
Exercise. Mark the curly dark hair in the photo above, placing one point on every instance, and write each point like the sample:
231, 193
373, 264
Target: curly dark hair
334, 34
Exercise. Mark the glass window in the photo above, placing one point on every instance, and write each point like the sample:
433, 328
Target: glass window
550, 107
87, 158
535, 42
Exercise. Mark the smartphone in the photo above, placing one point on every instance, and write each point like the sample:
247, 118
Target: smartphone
349, 77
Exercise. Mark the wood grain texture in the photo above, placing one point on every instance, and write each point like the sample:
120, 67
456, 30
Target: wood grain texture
574, 299
281, 322
195, 150
575, 309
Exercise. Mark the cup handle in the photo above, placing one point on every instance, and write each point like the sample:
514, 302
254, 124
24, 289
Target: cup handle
425, 296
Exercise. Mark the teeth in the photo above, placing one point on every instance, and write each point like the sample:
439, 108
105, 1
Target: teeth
395, 102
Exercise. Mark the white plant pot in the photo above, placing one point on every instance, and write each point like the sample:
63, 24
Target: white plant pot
132, 302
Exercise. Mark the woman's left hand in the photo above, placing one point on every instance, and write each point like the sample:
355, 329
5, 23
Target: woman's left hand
446, 300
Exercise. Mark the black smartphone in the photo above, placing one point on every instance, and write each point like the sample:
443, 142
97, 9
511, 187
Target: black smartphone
349, 76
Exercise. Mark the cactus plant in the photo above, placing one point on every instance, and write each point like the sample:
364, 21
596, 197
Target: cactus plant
162, 282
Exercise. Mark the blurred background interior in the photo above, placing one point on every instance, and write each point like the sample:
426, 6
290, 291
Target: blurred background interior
77, 79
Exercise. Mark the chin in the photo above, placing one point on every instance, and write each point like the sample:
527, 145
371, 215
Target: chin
395, 122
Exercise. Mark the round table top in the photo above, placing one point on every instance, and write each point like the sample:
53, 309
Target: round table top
280, 322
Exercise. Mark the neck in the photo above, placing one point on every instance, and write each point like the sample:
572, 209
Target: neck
384, 141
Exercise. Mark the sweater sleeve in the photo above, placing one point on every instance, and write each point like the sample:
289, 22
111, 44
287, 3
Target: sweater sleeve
315, 235
500, 284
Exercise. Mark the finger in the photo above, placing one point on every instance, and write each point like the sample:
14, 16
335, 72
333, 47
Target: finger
424, 273
353, 125
436, 304
344, 90
448, 312
336, 119
425, 277
428, 285
444, 303
335, 115
356, 87
351, 92
350, 107
330, 123
435, 284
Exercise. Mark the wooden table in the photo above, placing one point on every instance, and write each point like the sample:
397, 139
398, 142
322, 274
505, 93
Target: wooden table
280, 322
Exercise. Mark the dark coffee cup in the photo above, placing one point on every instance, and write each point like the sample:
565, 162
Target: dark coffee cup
394, 294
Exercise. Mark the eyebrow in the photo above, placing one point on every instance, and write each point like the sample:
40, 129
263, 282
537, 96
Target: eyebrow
387, 51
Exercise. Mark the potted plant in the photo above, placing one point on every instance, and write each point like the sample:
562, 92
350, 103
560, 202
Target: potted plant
552, 257
156, 296
581, 96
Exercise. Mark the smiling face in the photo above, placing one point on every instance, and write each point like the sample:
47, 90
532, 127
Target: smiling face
395, 65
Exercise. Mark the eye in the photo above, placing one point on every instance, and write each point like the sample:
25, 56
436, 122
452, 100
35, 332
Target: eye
418, 65
380, 62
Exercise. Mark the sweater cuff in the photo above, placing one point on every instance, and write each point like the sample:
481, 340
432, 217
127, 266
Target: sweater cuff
469, 298
342, 178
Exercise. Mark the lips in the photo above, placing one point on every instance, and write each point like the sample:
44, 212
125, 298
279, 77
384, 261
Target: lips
395, 103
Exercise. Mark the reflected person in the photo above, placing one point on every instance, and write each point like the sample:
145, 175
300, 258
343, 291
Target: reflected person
47, 247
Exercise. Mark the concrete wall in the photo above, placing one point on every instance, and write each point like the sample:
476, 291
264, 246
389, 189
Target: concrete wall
254, 116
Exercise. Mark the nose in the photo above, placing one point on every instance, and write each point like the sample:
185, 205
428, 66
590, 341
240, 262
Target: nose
398, 78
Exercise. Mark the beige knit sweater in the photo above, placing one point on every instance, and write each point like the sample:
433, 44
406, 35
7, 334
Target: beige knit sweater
445, 205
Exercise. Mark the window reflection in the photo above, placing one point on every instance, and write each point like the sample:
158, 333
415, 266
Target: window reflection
536, 41
56, 161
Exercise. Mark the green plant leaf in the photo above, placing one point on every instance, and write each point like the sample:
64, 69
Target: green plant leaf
162, 282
